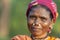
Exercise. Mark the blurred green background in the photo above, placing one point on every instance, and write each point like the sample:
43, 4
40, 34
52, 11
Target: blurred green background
18, 22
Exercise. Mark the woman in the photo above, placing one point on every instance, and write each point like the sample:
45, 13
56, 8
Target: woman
41, 15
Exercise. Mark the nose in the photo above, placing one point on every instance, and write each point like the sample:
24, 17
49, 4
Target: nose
37, 22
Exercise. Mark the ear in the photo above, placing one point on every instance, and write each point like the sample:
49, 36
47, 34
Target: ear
50, 27
51, 24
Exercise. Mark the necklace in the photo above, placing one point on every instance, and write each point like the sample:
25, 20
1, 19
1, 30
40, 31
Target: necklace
33, 38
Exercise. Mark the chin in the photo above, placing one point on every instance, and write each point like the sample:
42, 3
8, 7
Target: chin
37, 33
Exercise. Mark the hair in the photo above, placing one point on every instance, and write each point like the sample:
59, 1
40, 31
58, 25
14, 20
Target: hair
35, 6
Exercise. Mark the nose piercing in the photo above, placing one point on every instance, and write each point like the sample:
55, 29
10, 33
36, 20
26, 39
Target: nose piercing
39, 24
33, 24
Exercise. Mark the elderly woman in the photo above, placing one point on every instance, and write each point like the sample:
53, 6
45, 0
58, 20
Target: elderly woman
41, 15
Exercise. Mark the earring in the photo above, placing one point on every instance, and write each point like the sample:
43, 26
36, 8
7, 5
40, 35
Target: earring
50, 28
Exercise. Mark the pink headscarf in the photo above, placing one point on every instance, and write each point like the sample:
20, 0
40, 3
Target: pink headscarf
48, 3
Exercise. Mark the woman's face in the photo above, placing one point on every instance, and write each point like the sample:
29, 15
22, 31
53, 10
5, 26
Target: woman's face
38, 21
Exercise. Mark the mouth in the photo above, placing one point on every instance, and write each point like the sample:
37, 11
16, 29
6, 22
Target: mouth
36, 29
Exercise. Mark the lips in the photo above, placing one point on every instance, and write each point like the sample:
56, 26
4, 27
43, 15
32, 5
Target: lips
36, 28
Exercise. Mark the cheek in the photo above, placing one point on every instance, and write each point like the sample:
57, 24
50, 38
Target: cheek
30, 22
46, 26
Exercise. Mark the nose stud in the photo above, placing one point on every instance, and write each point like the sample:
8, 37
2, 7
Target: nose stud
34, 24
39, 26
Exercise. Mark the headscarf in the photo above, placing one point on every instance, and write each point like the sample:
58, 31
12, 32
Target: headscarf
48, 3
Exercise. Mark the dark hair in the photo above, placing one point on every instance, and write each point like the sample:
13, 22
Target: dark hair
51, 16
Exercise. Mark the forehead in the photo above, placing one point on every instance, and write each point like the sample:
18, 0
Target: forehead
40, 11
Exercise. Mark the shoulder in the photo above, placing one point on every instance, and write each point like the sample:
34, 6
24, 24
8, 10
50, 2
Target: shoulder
55, 38
21, 37
52, 38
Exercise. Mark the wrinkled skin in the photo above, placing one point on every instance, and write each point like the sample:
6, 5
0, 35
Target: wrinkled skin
40, 17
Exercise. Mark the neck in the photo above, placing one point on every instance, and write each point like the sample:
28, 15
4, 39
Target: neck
39, 36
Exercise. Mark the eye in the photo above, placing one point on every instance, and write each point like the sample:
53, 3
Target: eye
32, 17
43, 19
